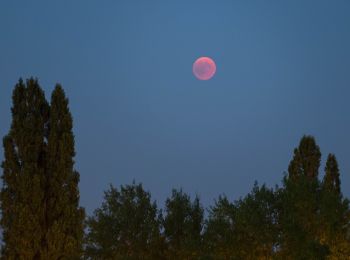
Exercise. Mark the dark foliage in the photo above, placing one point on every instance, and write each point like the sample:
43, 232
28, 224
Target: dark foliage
41, 218
305, 218
125, 227
306, 159
183, 224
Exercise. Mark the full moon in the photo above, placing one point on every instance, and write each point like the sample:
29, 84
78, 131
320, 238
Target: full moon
204, 68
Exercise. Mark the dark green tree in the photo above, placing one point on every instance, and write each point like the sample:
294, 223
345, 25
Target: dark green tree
64, 217
126, 226
23, 191
255, 224
246, 229
334, 212
313, 216
299, 220
40, 216
219, 237
299, 209
306, 159
331, 180
183, 224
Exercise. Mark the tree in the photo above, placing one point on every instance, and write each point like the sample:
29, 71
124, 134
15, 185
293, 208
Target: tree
334, 212
126, 226
196, 226
219, 238
23, 193
246, 229
255, 224
334, 224
313, 216
183, 224
319, 217
39, 197
64, 217
298, 202
299, 220
306, 159
331, 180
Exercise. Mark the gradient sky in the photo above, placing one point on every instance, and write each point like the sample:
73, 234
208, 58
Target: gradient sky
139, 113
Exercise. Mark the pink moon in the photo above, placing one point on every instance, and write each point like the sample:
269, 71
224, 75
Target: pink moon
204, 68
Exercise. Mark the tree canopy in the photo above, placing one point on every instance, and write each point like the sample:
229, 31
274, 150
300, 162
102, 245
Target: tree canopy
306, 217
41, 217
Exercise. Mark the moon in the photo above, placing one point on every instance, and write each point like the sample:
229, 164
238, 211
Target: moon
204, 68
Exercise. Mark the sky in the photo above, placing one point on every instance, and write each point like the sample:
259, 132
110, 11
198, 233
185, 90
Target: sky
139, 112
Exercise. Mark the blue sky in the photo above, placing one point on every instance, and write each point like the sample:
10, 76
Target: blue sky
139, 113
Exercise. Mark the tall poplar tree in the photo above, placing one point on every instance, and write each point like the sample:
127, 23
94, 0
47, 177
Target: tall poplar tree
39, 198
23, 191
334, 212
306, 159
331, 180
299, 205
64, 217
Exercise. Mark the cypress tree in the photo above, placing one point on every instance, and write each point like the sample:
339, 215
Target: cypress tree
306, 159
63, 215
299, 205
334, 212
41, 218
331, 179
23, 194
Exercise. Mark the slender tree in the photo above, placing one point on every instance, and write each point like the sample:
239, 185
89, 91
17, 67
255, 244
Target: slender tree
331, 180
334, 213
306, 159
299, 205
196, 227
23, 191
64, 217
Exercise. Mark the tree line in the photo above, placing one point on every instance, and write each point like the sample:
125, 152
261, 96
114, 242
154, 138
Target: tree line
306, 217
